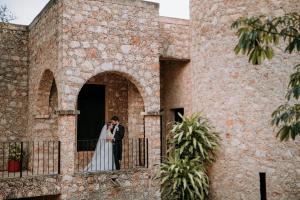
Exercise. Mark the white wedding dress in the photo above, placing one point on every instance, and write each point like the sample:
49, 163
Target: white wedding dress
103, 156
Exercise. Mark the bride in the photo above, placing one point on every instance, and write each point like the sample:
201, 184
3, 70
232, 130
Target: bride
103, 156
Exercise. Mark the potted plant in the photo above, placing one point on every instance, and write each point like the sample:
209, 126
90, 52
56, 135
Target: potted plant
14, 158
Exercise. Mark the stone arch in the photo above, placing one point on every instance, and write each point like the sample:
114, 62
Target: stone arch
46, 85
121, 98
138, 81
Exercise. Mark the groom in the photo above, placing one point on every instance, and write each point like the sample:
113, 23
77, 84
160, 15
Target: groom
118, 132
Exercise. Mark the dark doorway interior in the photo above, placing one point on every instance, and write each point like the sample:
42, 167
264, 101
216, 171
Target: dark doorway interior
263, 190
91, 104
178, 111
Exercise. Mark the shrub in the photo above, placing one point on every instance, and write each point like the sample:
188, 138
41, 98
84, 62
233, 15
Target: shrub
193, 146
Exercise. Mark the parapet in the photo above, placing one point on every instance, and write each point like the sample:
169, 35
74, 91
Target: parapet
174, 39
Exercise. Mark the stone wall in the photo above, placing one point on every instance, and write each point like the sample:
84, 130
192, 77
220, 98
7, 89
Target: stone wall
105, 185
135, 113
174, 38
118, 36
123, 37
43, 76
239, 99
13, 82
14, 188
112, 185
176, 92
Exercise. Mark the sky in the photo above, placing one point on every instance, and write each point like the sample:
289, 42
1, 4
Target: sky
26, 10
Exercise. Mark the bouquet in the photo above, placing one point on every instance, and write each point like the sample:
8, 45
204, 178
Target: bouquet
109, 136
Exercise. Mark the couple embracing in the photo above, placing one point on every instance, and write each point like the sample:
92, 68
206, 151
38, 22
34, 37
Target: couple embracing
108, 152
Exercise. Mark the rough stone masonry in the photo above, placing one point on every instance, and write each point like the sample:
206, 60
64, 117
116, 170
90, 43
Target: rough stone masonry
159, 64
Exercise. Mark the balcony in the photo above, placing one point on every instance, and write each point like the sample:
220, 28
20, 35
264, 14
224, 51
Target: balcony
29, 158
93, 158
38, 158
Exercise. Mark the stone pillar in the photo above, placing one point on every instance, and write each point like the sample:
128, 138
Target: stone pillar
67, 137
152, 132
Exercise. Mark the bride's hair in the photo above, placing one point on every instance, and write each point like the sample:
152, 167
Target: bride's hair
108, 124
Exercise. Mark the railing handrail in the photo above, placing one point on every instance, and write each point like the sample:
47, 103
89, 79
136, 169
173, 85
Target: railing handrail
29, 157
93, 155
19, 141
123, 138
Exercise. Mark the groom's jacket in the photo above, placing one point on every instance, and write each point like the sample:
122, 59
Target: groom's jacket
119, 133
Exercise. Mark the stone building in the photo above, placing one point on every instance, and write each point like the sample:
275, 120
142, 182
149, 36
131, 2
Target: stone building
146, 69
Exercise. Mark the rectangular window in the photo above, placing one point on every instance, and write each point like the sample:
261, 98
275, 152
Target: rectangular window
176, 112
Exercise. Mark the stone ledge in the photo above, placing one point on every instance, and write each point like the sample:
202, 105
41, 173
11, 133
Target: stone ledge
13, 27
41, 116
67, 112
151, 113
138, 3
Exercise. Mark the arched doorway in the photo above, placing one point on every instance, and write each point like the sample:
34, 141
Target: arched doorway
103, 96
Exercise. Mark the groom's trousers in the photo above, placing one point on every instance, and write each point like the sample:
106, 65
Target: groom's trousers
117, 151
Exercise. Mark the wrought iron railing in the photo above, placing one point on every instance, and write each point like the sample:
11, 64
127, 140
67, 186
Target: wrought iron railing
101, 157
29, 158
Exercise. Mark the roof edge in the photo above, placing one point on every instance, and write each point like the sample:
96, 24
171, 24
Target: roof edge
15, 27
41, 13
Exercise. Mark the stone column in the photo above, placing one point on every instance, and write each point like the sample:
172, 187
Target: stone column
152, 132
67, 137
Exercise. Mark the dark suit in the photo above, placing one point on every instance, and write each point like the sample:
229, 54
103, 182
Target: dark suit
117, 144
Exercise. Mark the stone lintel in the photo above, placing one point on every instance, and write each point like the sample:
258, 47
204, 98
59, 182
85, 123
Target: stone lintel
151, 113
67, 112
183, 60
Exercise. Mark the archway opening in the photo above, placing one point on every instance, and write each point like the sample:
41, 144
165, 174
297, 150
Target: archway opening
46, 86
44, 124
103, 96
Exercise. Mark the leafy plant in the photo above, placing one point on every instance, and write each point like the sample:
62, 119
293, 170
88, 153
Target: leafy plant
14, 152
193, 146
195, 137
257, 36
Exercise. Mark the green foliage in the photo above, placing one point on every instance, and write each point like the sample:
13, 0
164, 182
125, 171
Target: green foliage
287, 118
193, 146
258, 34
14, 152
294, 85
184, 179
257, 37
195, 137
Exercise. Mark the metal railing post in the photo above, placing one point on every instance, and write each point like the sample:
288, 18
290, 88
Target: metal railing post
147, 152
21, 160
58, 164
